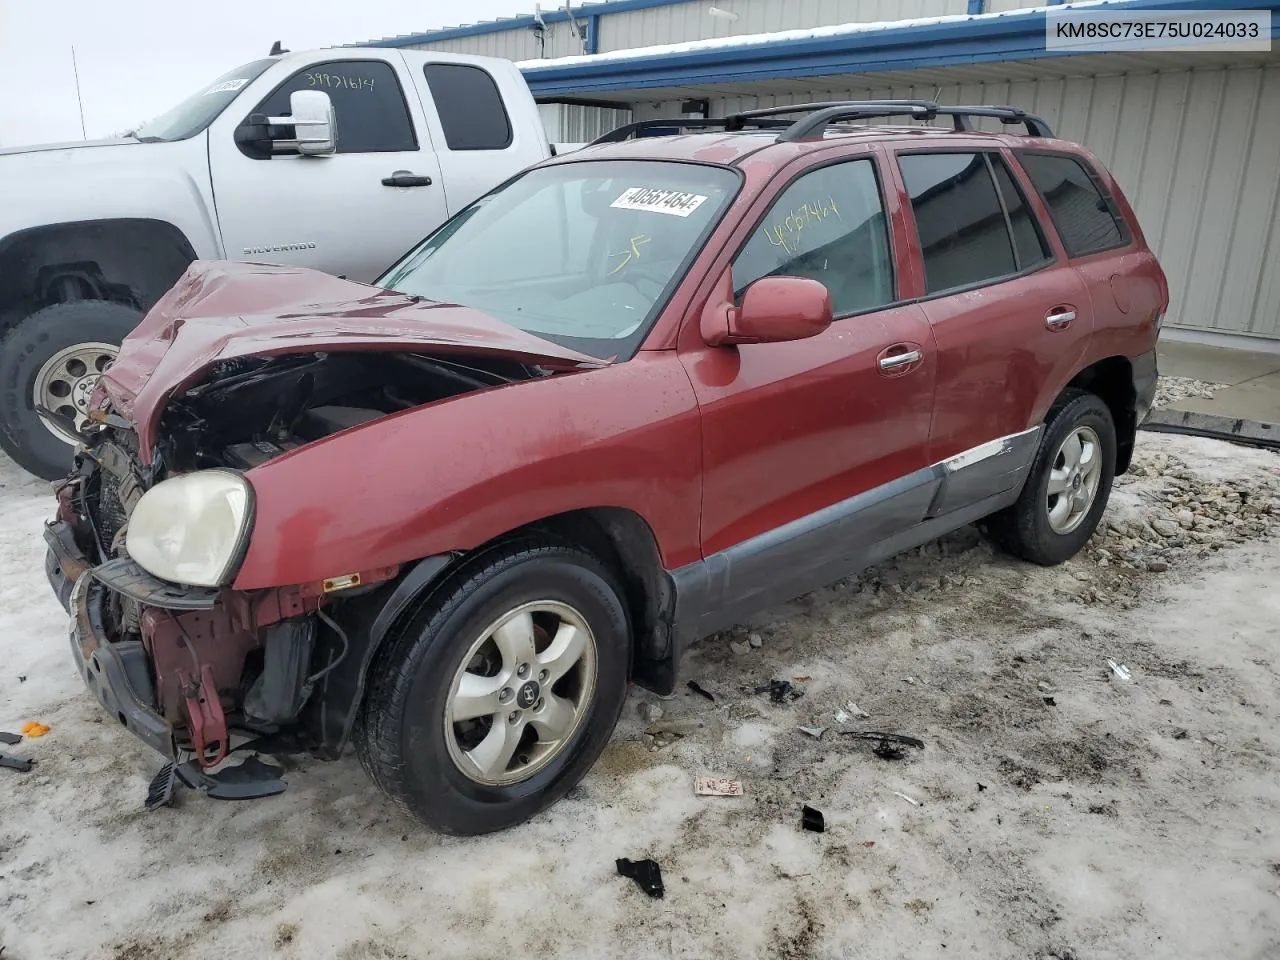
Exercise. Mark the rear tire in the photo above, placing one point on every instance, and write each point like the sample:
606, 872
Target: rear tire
445, 695
92, 328
1047, 527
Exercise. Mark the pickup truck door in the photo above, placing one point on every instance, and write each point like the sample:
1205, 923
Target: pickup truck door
352, 213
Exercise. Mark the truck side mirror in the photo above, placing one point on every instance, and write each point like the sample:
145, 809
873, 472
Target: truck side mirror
311, 131
315, 124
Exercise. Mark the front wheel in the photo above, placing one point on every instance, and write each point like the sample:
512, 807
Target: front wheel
501, 693
53, 360
1068, 486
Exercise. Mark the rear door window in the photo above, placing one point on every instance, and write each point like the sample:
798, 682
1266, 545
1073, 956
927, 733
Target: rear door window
1085, 217
829, 226
367, 102
1028, 242
470, 107
964, 234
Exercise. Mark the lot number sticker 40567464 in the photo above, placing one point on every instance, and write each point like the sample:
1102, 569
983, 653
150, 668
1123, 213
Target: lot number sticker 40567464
653, 200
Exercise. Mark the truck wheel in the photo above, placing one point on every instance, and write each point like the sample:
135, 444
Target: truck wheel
1068, 487
53, 359
496, 698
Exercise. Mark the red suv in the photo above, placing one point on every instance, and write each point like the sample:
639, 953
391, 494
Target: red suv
629, 397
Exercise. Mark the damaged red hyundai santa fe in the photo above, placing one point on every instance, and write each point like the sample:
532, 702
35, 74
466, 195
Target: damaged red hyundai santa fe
629, 397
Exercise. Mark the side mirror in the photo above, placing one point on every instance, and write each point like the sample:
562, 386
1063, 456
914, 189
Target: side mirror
774, 310
311, 131
315, 124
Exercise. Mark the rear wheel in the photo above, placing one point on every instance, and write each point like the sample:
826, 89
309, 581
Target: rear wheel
500, 694
1068, 487
53, 359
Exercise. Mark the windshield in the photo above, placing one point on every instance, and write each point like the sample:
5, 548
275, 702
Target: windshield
583, 254
201, 108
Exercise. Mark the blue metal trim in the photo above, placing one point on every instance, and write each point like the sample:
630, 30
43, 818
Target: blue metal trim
986, 39
593, 33
977, 6
526, 22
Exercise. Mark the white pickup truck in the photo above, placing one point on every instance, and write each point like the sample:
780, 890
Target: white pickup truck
339, 160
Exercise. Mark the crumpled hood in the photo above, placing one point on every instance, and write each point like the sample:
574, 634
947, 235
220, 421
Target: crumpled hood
222, 310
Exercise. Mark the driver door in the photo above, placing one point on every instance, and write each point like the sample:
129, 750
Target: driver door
815, 450
332, 213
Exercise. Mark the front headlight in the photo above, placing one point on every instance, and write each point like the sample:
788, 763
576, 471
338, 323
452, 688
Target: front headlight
193, 529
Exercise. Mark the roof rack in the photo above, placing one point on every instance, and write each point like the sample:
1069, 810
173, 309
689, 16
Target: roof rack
685, 123
821, 115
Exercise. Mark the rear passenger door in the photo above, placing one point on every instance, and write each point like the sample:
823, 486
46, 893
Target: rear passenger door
1010, 319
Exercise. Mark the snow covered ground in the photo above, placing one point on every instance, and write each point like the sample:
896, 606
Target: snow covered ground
1063, 813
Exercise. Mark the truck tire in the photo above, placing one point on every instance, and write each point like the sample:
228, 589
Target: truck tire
1068, 486
56, 354
501, 692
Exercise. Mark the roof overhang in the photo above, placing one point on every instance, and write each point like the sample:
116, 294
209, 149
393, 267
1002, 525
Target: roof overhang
857, 53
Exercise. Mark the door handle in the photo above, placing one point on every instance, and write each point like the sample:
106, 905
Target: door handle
899, 360
1059, 318
404, 178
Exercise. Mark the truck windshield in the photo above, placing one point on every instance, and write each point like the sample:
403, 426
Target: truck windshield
585, 254
200, 109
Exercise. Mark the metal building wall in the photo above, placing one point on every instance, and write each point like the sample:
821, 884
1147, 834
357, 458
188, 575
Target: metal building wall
682, 22
691, 21
517, 44
1197, 153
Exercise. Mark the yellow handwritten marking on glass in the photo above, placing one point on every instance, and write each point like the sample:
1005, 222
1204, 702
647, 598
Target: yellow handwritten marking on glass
335, 81
785, 233
628, 255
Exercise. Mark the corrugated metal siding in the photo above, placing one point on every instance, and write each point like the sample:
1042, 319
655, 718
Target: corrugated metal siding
1196, 152
518, 44
690, 21
1000, 6
571, 123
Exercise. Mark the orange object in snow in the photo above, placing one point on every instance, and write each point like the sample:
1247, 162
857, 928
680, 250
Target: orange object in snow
35, 729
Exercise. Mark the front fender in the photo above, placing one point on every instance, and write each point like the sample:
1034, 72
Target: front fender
125, 180
454, 475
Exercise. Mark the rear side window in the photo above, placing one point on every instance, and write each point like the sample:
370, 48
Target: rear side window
829, 226
471, 109
1028, 243
963, 232
367, 102
1082, 213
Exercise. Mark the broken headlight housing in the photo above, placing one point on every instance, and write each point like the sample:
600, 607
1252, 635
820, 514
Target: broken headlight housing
193, 529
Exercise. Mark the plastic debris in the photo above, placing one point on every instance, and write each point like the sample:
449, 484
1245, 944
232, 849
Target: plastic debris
1050, 701
755, 640
739, 647
981, 787
801, 679
9, 738
815, 732
811, 819
700, 691
1120, 670
780, 691
868, 844
21, 764
717, 787
842, 717
649, 712
163, 786
646, 873
35, 729
914, 803
896, 738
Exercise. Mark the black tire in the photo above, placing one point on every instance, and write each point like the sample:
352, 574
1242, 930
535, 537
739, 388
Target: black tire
1024, 528
401, 729
23, 434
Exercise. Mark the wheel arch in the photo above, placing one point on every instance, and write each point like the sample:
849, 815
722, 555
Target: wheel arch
619, 537
123, 260
1111, 380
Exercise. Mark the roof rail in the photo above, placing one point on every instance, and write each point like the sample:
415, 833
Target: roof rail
821, 115
681, 123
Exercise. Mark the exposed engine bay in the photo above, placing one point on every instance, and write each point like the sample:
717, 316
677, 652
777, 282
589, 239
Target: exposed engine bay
250, 411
